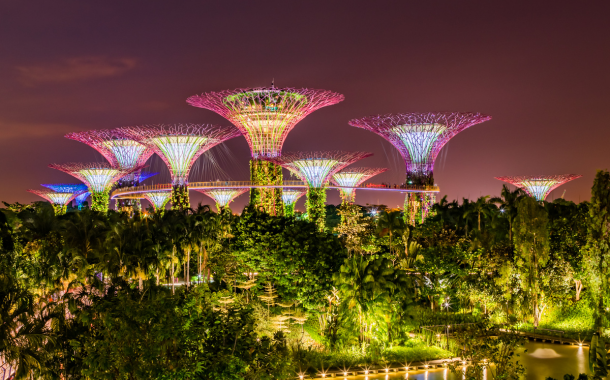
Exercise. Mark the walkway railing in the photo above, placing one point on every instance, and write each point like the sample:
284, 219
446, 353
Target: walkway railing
136, 191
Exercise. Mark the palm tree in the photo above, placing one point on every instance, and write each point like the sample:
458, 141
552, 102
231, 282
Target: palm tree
390, 223
481, 206
508, 206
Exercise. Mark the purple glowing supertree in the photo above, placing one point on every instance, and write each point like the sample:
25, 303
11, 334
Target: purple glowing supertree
316, 169
419, 137
265, 116
59, 200
223, 197
350, 178
539, 187
179, 146
79, 188
99, 178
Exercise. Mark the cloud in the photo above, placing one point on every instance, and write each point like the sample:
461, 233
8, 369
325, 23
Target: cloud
75, 69
19, 130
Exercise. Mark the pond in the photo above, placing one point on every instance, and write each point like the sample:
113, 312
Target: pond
541, 360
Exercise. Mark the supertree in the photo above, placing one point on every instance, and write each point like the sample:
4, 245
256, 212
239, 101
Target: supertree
223, 197
265, 116
316, 169
353, 177
99, 178
158, 199
290, 198
539, 187
79, 188
130, 205
59, 200
419, 137
179, 146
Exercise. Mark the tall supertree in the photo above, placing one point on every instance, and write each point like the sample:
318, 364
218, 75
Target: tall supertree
419, 137
179, 146
223, 197
121, 152
158, 199
99, 178
316, 169
59, 200
290, 198
539, 187
350, 178
265, 116
79, 188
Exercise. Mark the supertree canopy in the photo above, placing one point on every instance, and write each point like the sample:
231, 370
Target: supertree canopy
539, 187
353, 177
179, 146
265, 116
59, 199
158, 199
316, 169
419, 137
80, 199
99, 178
223, 197
79, 188
290, 198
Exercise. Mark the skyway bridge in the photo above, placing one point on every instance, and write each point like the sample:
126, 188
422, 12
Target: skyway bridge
139, 191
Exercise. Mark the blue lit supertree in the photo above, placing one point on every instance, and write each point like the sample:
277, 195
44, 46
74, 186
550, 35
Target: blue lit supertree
79, 188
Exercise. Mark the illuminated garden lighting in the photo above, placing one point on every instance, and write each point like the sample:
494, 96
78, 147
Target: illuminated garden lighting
539, 187
419, 137
158, 199
179, 146
265, 116
223, 197
80, 199
316, 169
79, 188
290, 198
59, 200
99, 178
353, 177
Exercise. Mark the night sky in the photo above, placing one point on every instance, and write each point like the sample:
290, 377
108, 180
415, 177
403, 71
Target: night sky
541, 69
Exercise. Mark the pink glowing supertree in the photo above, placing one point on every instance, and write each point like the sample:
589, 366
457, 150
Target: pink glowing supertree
223, 197
179, 146
265, 116
539, 187
59, 200
316, 169
99, 178
350, 178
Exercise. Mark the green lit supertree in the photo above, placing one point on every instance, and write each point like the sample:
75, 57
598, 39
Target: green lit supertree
179, 146
158, 199
316, 169
59, 200
290, 198
99, 178
350, 178
223, 196
265, 116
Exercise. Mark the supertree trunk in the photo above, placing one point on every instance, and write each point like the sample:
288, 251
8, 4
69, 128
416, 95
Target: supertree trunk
59, 209
316, 209
180, 198
268, 199
289, 210
418, 206
100, 201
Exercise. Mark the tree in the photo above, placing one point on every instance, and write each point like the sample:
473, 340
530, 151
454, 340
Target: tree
508, 206
532, 247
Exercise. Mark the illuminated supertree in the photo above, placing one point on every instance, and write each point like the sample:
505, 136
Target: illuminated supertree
99, 178
539, 187
158, 199
223, 197
316, 169
265, 116
59, 200
419, 137
79, 188
353, 177
290, 198
179, 146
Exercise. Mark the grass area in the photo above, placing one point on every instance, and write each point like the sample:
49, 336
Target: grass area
575, 318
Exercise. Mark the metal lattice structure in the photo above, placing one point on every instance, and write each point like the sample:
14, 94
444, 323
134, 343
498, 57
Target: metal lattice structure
223, 197
120, 151
99, 176
265, 115
316, 168
419, 137
66, 187
143, 176
291, 196
57, 198
80, 199
353, 177
180, 145
158, 199
539, 187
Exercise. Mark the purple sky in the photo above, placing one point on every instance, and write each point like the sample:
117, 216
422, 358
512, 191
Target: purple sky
541, 69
